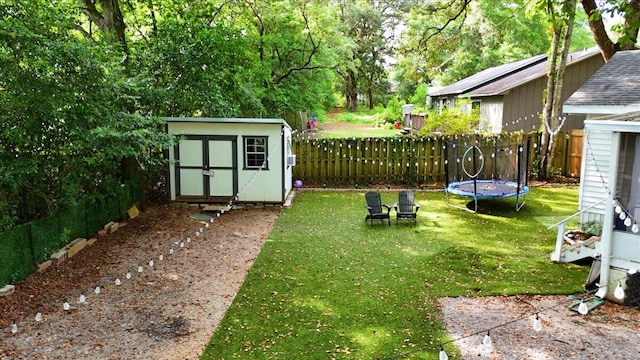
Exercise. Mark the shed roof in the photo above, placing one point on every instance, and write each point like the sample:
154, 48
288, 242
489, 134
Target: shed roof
487, 76
228, 120
614, 88
525, 75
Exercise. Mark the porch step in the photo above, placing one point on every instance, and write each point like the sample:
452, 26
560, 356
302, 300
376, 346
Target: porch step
580, 249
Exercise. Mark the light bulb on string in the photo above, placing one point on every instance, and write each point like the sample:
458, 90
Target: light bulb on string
635, 228
627, 221
151, 263
181, 244
583, 309
188, 239
82, 299
66, 306
197, 233
97, 290
201, 230
618, 209
38, 317
128, 275
622, 216
139, 268
619, 292
486, 340
160, 257
537, 325
118, 282
14, 327
171, 251
443, 355
206, 225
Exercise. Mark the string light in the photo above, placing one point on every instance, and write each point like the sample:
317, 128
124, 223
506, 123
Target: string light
583, 309
160, 257
97, 290
118, 282
82, 299
618, 293
66, 306
14, 327
38, 317
537, 325
443, 355
486, 340
128, 275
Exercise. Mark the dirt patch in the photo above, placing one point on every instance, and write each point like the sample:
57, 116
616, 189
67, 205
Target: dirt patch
167, 311
607, 332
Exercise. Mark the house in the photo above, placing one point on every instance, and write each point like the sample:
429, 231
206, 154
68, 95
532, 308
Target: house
510, 96
609, 183
219, 160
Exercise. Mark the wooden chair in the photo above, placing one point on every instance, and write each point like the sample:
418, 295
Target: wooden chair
406, 208
377, 208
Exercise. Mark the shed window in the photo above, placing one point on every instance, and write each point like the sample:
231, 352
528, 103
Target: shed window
255, 152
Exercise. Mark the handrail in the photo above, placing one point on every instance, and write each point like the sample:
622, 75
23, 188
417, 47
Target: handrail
578, 213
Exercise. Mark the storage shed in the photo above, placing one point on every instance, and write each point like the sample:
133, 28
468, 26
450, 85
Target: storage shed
217, 160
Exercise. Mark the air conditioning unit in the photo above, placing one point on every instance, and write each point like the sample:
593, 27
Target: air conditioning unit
291, 160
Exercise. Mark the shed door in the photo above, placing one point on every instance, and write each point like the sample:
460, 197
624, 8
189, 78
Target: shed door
206, 167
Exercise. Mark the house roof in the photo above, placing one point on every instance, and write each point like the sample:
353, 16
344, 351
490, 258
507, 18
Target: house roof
613, 89
226, 120
486, 76
525, 75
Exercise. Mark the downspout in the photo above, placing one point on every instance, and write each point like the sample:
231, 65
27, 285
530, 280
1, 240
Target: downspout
608, 222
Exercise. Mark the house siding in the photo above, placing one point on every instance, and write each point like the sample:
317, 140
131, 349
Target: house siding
491, 113
595, 169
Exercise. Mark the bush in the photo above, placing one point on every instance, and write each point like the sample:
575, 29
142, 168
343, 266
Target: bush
451, 121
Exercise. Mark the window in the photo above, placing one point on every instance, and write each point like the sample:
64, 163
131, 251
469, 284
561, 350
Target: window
628, 179
255, 152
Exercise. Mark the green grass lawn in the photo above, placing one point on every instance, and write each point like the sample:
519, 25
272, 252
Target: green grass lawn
328, 285
358, 124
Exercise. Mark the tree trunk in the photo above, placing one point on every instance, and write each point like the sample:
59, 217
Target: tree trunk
351, 91
556, 111
602, 39
548, 103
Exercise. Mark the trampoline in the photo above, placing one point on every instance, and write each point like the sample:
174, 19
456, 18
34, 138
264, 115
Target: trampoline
502, 174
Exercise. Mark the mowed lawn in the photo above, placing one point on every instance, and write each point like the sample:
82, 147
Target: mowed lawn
329, 285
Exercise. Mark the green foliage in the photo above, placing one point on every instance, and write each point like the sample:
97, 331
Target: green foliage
391, 113
451, 121
419, 98
66, 121
371, 292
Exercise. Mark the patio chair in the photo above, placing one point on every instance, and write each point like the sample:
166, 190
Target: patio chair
377, 208
406, 208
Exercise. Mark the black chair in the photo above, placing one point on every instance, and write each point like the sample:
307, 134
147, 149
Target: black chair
376, 208
406, 208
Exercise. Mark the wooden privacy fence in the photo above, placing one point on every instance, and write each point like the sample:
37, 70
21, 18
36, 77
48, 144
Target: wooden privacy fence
406, 160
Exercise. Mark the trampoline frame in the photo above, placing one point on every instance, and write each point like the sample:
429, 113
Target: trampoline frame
520, 190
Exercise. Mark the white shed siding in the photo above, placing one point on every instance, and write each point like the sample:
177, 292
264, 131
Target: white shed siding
595, 169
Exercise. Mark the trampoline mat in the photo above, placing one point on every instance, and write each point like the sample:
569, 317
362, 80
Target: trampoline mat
487, 188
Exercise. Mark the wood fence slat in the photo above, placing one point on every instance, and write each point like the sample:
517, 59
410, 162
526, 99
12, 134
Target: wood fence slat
412, 161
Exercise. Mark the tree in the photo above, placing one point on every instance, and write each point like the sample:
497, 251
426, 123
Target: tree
64, 124
561, 19
628, 31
